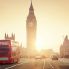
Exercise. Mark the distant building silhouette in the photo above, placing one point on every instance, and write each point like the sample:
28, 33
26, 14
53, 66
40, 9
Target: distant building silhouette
64, 48
12, 37
31, 24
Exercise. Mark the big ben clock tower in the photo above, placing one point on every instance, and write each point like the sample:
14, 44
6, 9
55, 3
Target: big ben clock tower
31, 24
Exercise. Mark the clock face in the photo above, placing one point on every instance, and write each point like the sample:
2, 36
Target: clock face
30, 24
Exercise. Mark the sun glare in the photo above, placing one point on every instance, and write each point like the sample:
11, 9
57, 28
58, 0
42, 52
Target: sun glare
39, 44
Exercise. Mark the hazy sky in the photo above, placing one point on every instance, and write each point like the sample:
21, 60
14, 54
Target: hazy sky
52, 20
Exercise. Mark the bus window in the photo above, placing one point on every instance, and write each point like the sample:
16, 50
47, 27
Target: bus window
4, 49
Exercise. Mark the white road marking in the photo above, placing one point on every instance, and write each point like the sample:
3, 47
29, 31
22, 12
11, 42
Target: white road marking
51, 66
44, 65
15, 65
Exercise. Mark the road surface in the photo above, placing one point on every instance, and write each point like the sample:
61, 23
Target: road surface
34, 64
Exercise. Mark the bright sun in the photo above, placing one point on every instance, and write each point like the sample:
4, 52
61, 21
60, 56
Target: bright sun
43, 42
39, 44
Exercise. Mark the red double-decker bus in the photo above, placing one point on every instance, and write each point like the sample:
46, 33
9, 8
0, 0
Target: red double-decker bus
9, 51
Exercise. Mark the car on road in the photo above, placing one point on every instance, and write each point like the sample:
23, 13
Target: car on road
38, 57
54, 57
